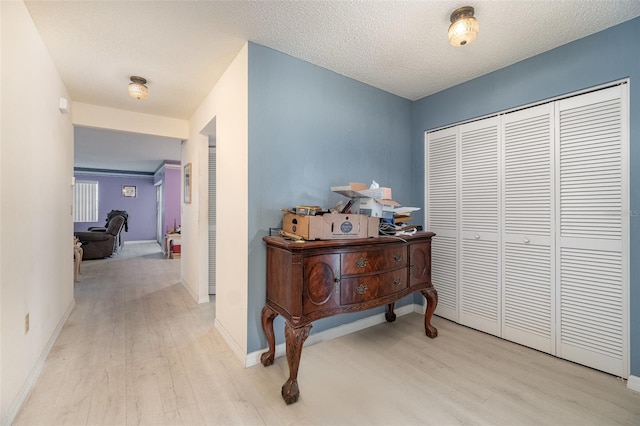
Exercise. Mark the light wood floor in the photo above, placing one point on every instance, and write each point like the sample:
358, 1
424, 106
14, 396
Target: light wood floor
138, 350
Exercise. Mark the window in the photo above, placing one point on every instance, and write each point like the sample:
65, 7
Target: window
85, 201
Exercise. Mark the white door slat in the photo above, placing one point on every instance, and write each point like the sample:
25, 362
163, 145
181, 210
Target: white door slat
441, 180
444, 276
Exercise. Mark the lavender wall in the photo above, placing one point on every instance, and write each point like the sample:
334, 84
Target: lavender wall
170, 176
172, 202
141, 209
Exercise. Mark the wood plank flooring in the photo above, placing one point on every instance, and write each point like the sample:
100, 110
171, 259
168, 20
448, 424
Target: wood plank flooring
138, 350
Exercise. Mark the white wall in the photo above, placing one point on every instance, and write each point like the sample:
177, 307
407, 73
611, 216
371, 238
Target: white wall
100, 117
2, 415
228, 104
36, 155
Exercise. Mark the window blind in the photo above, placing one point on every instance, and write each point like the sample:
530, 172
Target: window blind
85, 201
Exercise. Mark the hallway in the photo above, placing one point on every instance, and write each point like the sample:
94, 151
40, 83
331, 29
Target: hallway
138, 350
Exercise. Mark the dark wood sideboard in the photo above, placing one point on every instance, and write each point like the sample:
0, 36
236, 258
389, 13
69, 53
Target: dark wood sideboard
310, 280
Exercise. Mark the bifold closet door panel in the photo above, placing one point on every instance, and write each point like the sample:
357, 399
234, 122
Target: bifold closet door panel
444, 265
593, 229
441, 183
212, 219
479, 223
528, 274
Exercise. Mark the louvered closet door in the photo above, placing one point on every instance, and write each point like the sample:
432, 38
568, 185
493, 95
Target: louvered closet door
593, 235
442, 210
528, 274
212, 220
479, 202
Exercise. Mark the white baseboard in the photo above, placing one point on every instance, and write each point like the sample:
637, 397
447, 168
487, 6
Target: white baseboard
342, 330
196, 297
233, 345
185, 284
140, 242
28, 385
633, 383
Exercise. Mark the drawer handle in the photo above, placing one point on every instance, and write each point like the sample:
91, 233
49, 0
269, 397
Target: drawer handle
526, 241
361, 289
362, 262
397, 281
477, 237
398, 257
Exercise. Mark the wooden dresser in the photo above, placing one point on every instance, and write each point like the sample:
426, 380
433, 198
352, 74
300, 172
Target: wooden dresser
310, 280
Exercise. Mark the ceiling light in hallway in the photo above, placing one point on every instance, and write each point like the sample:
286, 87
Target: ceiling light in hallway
138, 88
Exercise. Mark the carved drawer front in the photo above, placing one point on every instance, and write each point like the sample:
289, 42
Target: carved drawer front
419, 263
362, 289
374, 260
321, 282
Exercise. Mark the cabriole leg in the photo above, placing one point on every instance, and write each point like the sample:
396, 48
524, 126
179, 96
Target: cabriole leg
268, 315
295, 338
432, 301
390, 316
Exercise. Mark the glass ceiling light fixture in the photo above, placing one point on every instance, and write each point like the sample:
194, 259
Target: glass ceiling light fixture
464, 27
137, 88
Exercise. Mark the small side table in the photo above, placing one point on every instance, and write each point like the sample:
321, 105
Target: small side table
168, 239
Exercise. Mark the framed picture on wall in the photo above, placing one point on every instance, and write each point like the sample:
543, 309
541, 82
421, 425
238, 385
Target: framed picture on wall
129, 191
187, 183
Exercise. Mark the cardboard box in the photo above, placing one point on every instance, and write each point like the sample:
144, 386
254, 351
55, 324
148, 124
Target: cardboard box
381, 193
331, 226
308, 210
360, 190
376, 208
369, 202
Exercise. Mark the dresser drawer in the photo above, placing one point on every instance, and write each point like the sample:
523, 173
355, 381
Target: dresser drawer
373, 261
370, 287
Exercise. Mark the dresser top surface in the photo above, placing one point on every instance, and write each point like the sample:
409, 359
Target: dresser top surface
354, 242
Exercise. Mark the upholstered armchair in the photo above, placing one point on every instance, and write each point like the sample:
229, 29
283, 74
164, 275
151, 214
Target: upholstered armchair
102, 242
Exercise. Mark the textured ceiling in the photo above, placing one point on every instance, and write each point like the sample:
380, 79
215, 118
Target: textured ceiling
182, 47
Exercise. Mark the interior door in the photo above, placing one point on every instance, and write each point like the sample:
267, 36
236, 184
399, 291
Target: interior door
480, 292
528, 267
212, 220
160, 214
441, 187
593, 218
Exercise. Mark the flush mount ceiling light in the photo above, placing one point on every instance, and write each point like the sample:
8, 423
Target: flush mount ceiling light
464, 27
137, 88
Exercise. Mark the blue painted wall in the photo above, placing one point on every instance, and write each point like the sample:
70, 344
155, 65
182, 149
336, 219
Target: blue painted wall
310, 129
603, 57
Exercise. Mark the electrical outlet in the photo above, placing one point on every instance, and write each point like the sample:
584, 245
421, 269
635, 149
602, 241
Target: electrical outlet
26, 323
